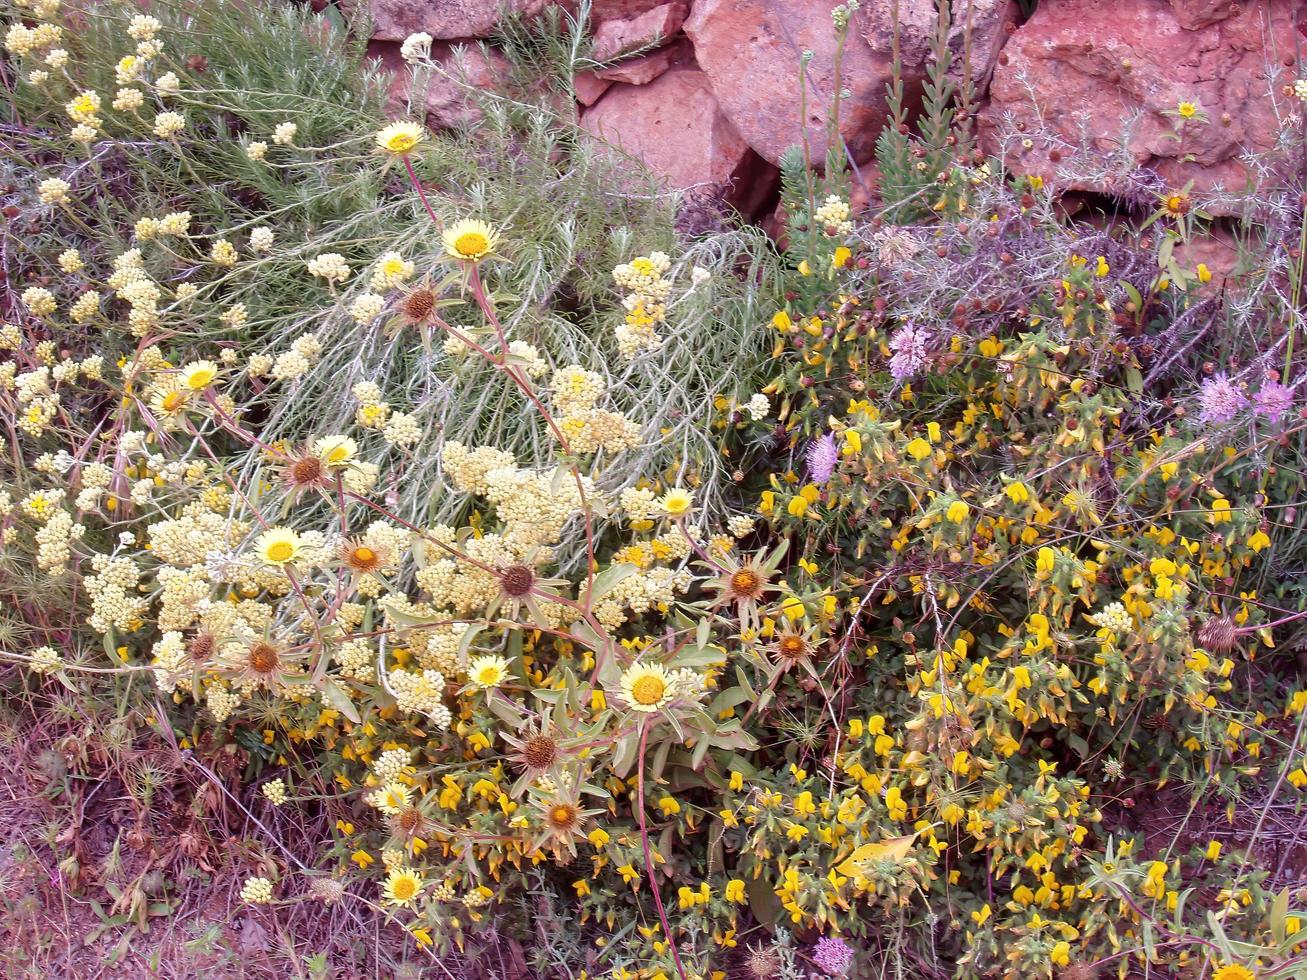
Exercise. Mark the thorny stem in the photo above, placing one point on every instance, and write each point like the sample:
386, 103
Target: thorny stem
648, 856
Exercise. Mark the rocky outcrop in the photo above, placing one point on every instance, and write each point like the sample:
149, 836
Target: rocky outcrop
1095, 89
751, 49
441, 96
395, 20
675, 125
620, 35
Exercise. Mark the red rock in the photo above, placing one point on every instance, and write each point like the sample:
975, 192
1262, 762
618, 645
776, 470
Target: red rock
589, 87
615, 37
1097, 74
643, 70
446, 102
1193, 14
750, 50
675, 126
978, 29
1218, 250
604, 10
394, 20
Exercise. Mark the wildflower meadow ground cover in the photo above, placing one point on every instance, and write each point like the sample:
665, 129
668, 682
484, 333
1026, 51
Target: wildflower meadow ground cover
420, 557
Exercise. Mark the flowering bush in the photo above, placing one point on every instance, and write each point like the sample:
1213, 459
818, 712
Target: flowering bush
495, 545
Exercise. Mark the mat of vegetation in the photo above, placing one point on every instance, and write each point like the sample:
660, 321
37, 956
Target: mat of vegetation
420, 559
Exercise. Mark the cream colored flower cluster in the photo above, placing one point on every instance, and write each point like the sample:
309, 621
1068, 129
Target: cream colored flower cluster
420, 692
833, 217
588, 429
646, 290
115, 600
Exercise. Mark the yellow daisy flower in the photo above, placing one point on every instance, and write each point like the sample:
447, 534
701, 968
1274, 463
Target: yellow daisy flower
488, 672
278, 546
400, 138
1234, 971
646, 687
402, 886
392, 798
198, 375
469, 240
335, 450
676, 502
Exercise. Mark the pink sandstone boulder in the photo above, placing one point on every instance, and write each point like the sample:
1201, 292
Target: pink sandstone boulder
1193, 14
590, 85
442, 97
615, 37
395, 20
675, 126
605, 10
1084, 84
750, 49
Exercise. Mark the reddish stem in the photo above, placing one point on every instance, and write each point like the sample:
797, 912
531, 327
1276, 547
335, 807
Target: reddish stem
417, 186
648, 856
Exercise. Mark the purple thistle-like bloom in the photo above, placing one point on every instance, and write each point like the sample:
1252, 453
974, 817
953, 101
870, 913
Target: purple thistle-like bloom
1273, 401
909, 347
1220, 400
821, 457
832, 956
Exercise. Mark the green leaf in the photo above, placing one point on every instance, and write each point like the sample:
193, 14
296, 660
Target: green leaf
338, 698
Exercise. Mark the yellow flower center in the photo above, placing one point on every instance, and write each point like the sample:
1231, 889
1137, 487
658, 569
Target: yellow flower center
280, 551
744, 582
649, 689
200, 379
401, 143
563, 815
338, 455
173, 401
363, 555
404, 888
488, 675
471, 244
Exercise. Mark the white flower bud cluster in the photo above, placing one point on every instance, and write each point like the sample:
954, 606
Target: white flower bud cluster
638, 594
355, 659
222, 701
392, 764
330, 266
186, 541
421, 693
171, 669
46, 660
54, 541
833, 216
183, 589
115, 603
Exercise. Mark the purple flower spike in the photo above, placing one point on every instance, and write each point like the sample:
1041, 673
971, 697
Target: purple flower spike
821, 458
909, 347
1220, 400
1273, 401
832, 956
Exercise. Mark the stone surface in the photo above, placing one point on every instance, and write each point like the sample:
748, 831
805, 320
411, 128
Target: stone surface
1098, 74
675, 126
750, 50
1193, 14
605, 10
615, 37
980, 27
442, 96
589, 87
395, 20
